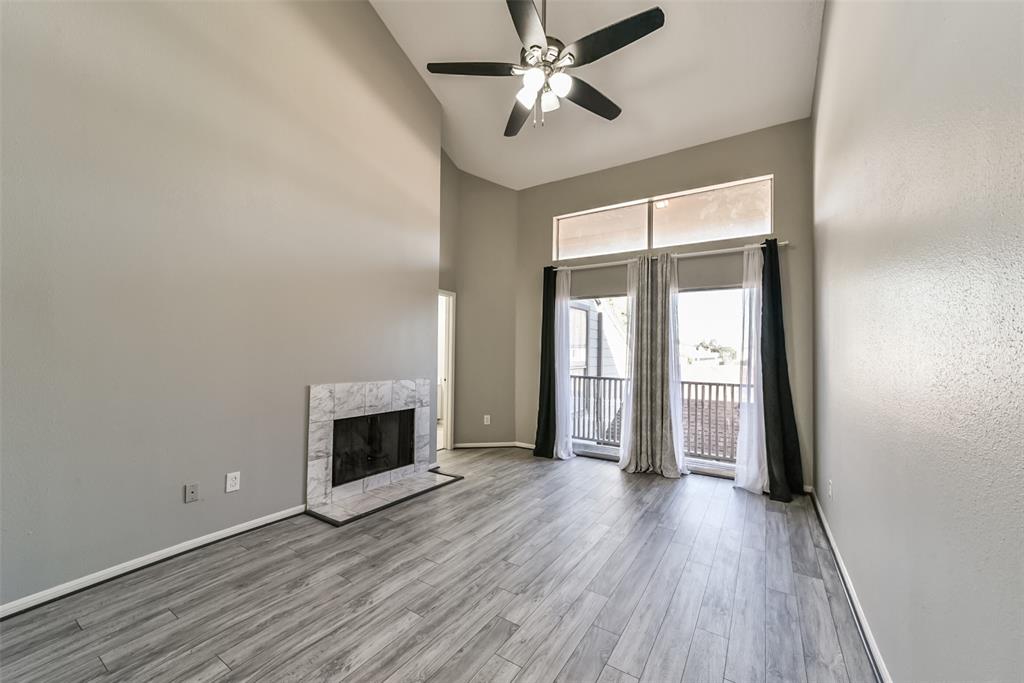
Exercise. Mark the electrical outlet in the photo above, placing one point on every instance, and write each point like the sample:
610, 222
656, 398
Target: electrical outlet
487, 419
192, 492
232, 481
830, 489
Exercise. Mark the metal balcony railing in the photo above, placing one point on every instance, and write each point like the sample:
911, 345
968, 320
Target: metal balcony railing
711, 415
597, 409
711, 420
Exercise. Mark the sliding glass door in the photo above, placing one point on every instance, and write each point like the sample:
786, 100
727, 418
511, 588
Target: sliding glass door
710, 335
597, 361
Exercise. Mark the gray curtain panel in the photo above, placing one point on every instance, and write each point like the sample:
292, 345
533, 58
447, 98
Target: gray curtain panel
650, 448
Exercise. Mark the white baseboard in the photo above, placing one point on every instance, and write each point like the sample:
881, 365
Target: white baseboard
854, 600
96, 577
496, 444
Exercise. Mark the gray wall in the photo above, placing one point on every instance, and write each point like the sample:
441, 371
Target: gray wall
485, 315
784, 150
480, 222
920, 327
447, 275
206, 207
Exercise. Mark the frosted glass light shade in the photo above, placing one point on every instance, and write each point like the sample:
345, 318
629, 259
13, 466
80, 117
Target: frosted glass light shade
561, 83
548, 101
533, 79
526, 97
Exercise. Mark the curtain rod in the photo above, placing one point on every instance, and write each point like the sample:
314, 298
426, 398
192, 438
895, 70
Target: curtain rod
682, 255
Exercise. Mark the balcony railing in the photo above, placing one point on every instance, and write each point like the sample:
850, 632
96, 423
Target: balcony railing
711, 420
597, 409
711, 415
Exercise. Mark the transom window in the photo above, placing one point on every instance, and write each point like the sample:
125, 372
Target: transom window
742, 208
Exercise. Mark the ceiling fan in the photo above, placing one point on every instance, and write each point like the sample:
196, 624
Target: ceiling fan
543, 62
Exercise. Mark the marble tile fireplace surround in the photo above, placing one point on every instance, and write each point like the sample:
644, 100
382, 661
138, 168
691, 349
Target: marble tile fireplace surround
330, 402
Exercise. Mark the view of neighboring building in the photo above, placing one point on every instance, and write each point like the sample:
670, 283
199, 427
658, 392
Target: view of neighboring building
597, 338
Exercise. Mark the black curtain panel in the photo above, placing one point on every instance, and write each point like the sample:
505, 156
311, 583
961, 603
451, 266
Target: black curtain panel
544, 443
785, 471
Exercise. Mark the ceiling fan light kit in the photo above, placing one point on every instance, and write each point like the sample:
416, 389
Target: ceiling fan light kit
543, 62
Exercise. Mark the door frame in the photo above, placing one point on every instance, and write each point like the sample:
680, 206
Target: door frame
449, 395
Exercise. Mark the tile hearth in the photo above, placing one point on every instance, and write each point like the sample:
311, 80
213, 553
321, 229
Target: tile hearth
360, 504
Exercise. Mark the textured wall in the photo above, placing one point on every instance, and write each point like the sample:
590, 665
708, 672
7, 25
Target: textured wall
783, 150
920, 327
206, 207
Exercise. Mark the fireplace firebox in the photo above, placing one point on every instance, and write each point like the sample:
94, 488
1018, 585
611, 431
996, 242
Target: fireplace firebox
371, 444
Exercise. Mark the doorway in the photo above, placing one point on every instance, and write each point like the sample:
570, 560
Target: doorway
445, 369
597, 373
710, 360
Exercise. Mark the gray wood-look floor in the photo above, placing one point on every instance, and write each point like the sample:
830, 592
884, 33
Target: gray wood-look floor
528, 570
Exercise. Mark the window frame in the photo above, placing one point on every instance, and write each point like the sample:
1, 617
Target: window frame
586, 335
649, 201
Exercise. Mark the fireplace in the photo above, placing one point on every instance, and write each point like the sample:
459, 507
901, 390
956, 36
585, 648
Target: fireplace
370, 444
366, 435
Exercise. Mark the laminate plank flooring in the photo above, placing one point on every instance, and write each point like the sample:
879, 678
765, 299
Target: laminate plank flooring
589, 658
705, 662
527, 570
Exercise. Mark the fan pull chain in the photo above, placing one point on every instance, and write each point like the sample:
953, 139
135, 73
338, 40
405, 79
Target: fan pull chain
544, 26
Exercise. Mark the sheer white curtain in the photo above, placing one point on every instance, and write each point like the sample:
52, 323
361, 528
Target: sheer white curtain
751, 458
563, 386
675, 387
626, 434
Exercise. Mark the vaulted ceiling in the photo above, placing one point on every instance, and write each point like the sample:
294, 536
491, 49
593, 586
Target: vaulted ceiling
717, 68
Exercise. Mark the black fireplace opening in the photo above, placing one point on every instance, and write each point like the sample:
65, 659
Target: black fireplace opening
370, 444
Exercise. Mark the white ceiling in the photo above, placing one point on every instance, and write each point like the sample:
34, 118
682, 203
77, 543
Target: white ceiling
717, 68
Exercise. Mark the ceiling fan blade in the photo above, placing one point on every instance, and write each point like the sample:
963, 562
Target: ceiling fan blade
591, 99
517, 118
471, 68
611, 38
527, 21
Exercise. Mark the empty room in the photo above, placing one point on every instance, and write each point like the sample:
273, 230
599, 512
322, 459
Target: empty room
493, 341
